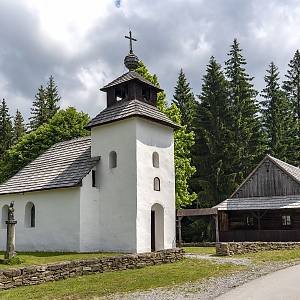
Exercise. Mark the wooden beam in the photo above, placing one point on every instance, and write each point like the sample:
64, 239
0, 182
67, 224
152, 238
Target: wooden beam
197, 212
217, 228
179, 232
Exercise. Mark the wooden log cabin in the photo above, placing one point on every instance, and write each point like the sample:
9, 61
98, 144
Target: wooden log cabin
265, 207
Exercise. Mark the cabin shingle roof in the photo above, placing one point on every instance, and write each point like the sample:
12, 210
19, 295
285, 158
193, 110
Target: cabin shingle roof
63, 165
131, 75
287, 168
256, 203
133, 108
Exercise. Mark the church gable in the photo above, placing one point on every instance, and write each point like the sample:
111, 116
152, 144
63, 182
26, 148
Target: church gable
272, 177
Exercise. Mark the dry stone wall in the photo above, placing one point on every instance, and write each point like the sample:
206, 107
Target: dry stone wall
33, 275
231, 248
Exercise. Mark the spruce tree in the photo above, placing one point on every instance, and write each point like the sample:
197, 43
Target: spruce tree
39, 114
52, 98
185, 100
247, 144
19, 126
6, 129
291, 87
213, 181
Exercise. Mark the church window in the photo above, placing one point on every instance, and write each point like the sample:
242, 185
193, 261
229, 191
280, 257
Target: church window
121, 92
146, 94
112, 159
4, 216
93, 178
155, 160
286, 220
30, 215
156, 184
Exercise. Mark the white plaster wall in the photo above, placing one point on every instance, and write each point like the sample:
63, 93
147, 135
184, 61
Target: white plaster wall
56, 223
117, 211
89, 215
153, 137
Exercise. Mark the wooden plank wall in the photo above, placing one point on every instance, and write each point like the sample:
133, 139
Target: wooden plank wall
268, 180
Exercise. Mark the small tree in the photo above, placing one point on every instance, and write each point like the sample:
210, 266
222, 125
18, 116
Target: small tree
185, 100
19, 126
52, 98
6, 129
38, 110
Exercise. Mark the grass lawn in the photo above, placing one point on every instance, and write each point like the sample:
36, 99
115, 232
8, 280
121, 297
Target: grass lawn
200, 250
37, 258
103, 284
272, 256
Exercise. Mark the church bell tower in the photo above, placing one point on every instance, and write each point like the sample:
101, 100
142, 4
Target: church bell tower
136, 173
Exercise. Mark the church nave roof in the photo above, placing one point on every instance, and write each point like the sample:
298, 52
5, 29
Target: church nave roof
64, 165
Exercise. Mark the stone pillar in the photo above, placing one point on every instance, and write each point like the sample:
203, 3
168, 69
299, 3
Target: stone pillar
11, 233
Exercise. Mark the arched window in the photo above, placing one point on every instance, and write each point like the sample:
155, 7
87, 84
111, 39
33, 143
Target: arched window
156, 184
155, 160
4, 216
112, 159
30, 215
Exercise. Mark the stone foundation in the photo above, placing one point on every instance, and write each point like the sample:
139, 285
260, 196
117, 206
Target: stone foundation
231, 248
32, 275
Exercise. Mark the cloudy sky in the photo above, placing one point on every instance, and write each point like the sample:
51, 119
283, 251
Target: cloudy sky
81, 43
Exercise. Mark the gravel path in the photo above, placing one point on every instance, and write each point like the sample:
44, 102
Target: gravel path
207, 289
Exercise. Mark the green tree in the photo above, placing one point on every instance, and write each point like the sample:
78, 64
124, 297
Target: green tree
247, 144
52, 98
39, 110
277, 116
6, 129
213, 180
183, 141
19, 126
291, 87
65, 125
185, 100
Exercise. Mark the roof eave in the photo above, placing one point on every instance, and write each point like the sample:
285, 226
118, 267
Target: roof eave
171, 124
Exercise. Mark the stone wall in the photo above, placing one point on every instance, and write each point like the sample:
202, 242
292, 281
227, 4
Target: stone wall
199, 244
32, 275
231, 248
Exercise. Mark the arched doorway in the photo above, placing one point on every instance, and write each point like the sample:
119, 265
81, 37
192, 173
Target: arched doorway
157, 227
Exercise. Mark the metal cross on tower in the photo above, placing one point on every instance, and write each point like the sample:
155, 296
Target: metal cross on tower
130, 39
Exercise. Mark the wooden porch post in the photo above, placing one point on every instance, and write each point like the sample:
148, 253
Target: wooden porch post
179, 232
217, 228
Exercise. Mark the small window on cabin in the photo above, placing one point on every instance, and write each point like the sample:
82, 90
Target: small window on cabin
121, 93
93, 178
156, 184
155, 160
112, 159
249, 221
146, 94
286, 220
30, 215
4, 216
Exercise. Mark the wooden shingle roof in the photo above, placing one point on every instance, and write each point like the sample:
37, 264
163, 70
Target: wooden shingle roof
64, 165
133, 108
131, 75
257, 203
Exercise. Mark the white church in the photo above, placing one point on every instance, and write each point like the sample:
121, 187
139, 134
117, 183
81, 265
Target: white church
112, 191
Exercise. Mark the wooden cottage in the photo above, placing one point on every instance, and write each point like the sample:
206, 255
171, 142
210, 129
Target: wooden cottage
265, 207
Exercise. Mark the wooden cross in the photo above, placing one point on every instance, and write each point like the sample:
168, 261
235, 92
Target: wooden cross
130, 39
